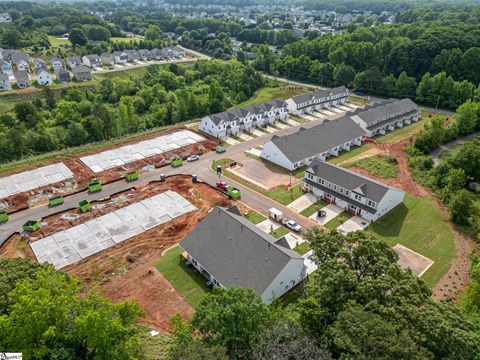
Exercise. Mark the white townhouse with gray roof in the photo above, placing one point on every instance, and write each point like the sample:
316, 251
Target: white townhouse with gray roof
317, 100
230, 251
359, 195
237, 120
379, 118
318, 142
92, 61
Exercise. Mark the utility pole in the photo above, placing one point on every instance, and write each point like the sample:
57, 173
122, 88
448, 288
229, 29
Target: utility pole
438, 100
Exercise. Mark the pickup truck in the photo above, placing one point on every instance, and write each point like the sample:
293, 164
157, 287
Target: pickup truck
292, 225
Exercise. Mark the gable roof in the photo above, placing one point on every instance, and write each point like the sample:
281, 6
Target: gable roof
39, 71
4, 77
73, 58
93, 57
61, 72
386, 109
349, 180
80, 69
21, 75
300, 99
236, 252
317, 139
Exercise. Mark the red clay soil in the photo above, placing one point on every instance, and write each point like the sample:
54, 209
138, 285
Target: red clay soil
126, 271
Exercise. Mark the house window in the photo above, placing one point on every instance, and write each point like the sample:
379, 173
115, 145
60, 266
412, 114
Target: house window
358, 197
371, 203
322, 181
310, 176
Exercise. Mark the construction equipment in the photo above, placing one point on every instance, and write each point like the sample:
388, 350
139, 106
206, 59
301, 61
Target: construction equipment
95, 186
176, 162
56, 200
222, 185
3, 217
231, 191
31, 225
85, 206
132, 176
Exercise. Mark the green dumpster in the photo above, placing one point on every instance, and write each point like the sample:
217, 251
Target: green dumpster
3, 217
85, 206
55, 200
94, 186
132, 176
234, 193
32, 225
176, 162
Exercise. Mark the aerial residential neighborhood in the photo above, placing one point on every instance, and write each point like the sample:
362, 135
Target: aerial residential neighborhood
239, 180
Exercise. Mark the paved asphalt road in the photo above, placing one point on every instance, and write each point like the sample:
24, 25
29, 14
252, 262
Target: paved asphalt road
438, 152
201, 168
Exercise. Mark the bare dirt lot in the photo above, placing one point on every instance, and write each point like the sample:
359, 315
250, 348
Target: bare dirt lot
126, 271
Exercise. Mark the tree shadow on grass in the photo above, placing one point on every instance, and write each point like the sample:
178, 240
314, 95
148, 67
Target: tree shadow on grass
391, 224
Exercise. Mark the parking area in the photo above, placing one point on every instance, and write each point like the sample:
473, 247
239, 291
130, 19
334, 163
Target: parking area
282, 125
309, 117
244, 136
231, 141
257, 132
292, 122
254, 152
331, 212
268, 226
355, 223
409, 259
302, 202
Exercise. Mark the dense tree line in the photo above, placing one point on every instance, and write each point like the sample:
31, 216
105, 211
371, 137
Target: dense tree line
120, 106
359, 304
44, 315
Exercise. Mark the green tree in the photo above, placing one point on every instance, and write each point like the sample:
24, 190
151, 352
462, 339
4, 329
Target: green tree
466, 119
152, 33
343, 75
405, 86
77, 36
461, 206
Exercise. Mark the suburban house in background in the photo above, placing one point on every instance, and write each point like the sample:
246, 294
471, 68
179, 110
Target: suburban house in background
43, 77
62, 75
239, 254
74, 61
157, 54
120, 57
132, 55
234, 121
385, 116
21, 61
307, 103
39, 64
319, 142
145, 55
92, 61
5, 82
107, 59
354, 193
82, 73
6, 68
57, 63
178, 52
22, 78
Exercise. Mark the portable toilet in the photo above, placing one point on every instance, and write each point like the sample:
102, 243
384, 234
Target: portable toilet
194, 178
55, 200
32, 225
85, 206
132, 176
94, 186
162, 177
3, 217
275, 214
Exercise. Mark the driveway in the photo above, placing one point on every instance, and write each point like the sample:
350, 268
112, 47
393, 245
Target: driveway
254, 152
268, 225
231, 141
355, 223
331, 210
308, 117
309, 264
244, 136
302, 202
292, 122
281, 125
257, 132
294, 240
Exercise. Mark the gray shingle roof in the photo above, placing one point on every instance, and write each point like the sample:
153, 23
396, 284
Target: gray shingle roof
318, 139
80, 69
300, 99
21, 75
4, 77
236, 252
387, 109
347, 179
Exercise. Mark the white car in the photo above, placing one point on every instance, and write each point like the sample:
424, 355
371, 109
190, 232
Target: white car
193, 158
292, 225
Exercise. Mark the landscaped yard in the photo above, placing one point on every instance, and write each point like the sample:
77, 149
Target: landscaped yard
350, 154
404, 133
312, 209
339, 220
186, 280
278, 233
303, 248
268, 93
419, 225
380, 166
255, 217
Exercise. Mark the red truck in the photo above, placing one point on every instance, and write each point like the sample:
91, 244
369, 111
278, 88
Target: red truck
222, 185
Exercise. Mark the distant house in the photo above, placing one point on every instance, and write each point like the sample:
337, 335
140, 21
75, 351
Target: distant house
239, 254
62, 75
92, 61
5, 18
82, 73
73, 61
6, 68
43, 77
20, 58
39, 64
22, 78
157, 54
133, 55
120, 57
178, 52
57, 63
5, 82
107, 59
308, 103
145, 55
354, 193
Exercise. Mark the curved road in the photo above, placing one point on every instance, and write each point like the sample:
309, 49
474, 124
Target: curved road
201, 168
438, 152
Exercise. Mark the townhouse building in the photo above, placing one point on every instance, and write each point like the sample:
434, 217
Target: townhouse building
317, 100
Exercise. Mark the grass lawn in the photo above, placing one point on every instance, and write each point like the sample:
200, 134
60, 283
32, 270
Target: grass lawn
189, 283
268, 93
280, 232
339, 220
255, 217
380, 166
123, 39
357, 100
236, 138
155, 347
303, 248
55, 41
312, 209
404, 133
420, 226
347, 155
282, 195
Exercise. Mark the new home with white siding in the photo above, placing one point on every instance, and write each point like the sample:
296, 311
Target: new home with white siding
237, 120
318, 142
357, 194
230, 251
317, 100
